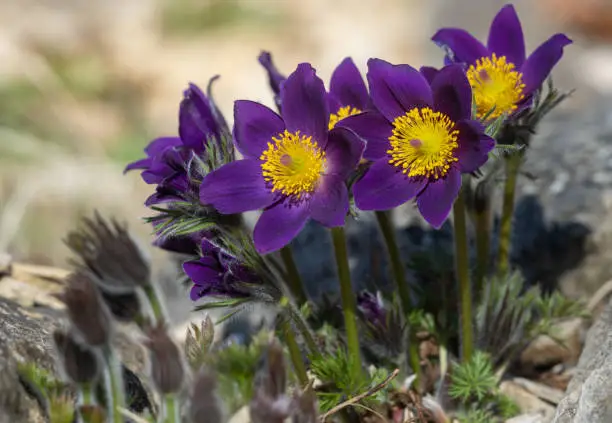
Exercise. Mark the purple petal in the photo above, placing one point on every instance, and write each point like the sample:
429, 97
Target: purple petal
348, 86
384, 187
202, 272
278, 225
236, 187
138, 164
275, 78
429, 73
197, 122
254, 127
374, 129
463, 45
452, 93
506, 36
474, 146
159, 145
436, 200
538, 65
330, 204
344, 150
396, 89
305, 104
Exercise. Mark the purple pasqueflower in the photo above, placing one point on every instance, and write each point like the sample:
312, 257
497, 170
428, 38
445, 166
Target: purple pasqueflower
500, 74
216, 273
348, 94
420, 142
168, 158
372, 307
295, 168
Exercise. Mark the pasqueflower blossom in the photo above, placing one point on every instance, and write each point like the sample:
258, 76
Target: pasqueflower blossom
216, 272
421, 140
500, 74
347, 96
168, 158
294, 168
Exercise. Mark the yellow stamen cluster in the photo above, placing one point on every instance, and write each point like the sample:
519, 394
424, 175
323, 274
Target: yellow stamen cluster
293, 164
423, 143
495, 83
343, 112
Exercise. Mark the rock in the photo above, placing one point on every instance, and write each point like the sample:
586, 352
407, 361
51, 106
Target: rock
543, 392
545, 351
527, 401
241, 416
589, 395
527, 418
27, 320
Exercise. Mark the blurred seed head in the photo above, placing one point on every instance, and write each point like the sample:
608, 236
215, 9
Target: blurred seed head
306, 410
205, 406
167, 369
108, 251
80, 363
86, 310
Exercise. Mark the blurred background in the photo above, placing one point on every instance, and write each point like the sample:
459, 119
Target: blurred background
86, 84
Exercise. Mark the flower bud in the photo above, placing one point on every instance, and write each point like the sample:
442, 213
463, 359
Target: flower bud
167, 370
205, 407
80, 363
86, 310
109, 253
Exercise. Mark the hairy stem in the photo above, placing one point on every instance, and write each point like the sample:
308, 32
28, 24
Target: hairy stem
513, 164
114, 385
463, 276
171, 409
305, 331
156, 306
399, 276
294, 353
483, 240
294, 281
349, 305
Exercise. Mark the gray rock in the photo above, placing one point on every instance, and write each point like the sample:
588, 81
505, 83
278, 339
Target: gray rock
588, 397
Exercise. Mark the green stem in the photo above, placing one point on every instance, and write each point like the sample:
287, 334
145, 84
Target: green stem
399, 275
114, 385
294, 352
86, 395
294, 281
349, 306
463, 276
513, 164
156, 306
302, 326
481, 220
171, 409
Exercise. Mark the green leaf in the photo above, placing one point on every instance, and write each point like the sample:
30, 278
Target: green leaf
474, 380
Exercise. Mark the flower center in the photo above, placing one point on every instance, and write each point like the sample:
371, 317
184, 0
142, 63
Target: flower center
495, 83
292, 164
343, 112
423, 143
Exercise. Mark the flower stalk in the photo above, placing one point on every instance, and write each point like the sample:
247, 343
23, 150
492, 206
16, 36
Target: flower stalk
114, 385
462, 275
294, 353
513, 164
482, 219
399, 276
171, 409
294, 281
349, 304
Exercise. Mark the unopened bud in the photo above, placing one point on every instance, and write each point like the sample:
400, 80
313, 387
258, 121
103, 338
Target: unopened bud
80, 363
205, 407
86, 310
167, 370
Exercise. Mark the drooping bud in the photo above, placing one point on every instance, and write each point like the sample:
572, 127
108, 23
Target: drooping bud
107, 250
86, 310
167, 369
80, 363
205, 406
